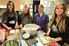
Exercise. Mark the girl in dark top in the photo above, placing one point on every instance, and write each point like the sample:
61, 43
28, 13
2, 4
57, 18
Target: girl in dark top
9, 17
59, 25
25, 17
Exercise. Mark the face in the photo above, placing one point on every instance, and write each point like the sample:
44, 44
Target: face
40, 8
59, 10
26, 10
10, 6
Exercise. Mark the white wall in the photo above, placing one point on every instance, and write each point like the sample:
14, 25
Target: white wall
55, 1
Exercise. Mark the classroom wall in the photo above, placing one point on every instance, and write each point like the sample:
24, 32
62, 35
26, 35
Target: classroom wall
56, 2
17, 3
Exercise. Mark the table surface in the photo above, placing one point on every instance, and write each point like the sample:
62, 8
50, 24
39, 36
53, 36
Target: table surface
41, 33
37, 38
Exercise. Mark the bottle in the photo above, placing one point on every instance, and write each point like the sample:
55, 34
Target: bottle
15, 34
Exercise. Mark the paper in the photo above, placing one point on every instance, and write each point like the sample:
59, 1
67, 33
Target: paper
44, 41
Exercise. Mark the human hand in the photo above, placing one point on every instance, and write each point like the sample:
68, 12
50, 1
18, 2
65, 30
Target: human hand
21, 26
53, 40
16, 26
46, 34
9, 28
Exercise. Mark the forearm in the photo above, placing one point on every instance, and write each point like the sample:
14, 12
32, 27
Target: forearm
5, 25
58, 39
47, 27
53, 40
48, 31
16, 23
20, 26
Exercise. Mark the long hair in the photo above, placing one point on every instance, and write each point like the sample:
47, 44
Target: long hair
61, 25
7, 10
26, 15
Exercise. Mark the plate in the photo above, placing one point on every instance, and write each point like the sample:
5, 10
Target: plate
26, 35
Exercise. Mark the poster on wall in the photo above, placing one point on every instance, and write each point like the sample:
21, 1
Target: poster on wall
48, 6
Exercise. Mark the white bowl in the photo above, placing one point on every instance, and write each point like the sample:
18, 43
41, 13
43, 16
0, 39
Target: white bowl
26, 35
31, 28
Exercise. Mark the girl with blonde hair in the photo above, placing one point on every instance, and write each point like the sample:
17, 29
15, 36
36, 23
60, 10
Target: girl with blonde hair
25, 17
59, 25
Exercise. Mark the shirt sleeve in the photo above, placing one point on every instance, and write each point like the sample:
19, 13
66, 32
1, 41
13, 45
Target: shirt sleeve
31, 21
65, 36
16, 17
47, 18
3, 17
19, 19
34, 18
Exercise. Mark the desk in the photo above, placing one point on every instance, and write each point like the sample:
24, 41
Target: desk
40, 33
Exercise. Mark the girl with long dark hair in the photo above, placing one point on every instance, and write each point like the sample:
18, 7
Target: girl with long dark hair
9, 17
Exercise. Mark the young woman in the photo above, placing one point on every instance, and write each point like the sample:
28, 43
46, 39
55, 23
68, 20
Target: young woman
41, 18
9, 17
25, 17
59, 25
